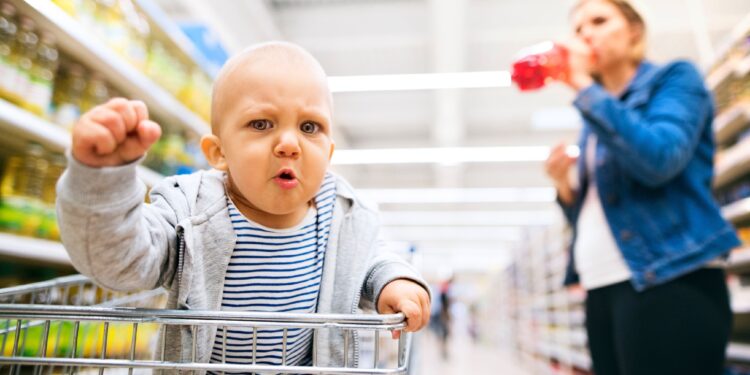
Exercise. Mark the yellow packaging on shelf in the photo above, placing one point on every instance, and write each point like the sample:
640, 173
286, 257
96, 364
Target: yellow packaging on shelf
69, 6
42, 76
90, 339
139, 33
96, 93
27, 194
165, 68
195, 95
8, 71
67, 96
744, 234
26, 45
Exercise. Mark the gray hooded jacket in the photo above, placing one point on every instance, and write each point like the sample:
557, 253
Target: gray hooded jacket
183, 241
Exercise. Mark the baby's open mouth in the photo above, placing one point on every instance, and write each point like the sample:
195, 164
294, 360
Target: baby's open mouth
286, 179
286, 174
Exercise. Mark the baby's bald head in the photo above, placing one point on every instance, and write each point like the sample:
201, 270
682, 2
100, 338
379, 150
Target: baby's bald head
259, 59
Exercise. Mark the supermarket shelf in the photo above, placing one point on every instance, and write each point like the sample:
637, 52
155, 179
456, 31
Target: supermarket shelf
732, 121
737, 211
740, 303
737, 352
720, 75
75, 40
739, 261
33, 249
738, 31
730, 69
734, 163
170, 30
743, 67
578, 338
19, 123
564, 355
16, 122
568, 318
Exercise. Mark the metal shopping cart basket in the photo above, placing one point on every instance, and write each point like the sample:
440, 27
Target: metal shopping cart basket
69, 325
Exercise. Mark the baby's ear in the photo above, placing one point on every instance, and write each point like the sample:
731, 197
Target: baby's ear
211, 147
330, 154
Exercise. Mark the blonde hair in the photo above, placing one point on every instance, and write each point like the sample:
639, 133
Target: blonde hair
634, 18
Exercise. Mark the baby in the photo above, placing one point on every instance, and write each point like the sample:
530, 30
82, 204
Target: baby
267, 229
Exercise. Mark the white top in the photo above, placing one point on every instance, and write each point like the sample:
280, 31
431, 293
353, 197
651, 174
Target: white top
598, 260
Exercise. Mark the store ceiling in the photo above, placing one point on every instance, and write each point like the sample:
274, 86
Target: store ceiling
363, 37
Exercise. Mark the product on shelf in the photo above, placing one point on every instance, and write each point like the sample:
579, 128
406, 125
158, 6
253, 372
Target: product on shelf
42, 76
128, 32
96, 93
744, 234
164, 68
734, 192
8, 30
28, 63
75, 92
89, 341
139, 33
68, 95
27, 194
733, 89
48, 227
10, 218
26, 45
171, 155
69, 6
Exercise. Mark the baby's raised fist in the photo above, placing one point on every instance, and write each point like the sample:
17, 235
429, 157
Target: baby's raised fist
115, 133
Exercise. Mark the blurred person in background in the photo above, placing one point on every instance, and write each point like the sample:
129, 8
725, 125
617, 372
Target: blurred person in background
648, 237
443, 319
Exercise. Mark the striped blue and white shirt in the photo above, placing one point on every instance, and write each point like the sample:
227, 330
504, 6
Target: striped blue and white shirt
275, 270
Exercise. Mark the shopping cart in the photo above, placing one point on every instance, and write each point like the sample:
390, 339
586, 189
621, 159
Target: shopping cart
71, 325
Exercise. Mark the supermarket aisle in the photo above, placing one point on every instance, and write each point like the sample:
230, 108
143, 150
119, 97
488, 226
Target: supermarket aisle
466, 357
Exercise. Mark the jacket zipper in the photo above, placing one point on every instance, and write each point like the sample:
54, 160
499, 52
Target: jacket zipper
180, 265
355, 305
355, 333
180, 260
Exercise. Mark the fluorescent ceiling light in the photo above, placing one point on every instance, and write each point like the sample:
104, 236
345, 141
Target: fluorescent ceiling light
446, 234
467, 195
429, 81
440, 264
471, 218
445, 155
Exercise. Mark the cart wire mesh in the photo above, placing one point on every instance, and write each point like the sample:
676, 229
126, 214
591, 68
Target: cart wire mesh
70, 325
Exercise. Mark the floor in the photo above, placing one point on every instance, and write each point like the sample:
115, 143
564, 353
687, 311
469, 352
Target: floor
464, 357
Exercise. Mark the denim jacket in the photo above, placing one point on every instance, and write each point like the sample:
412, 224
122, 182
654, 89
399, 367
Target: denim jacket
654, 165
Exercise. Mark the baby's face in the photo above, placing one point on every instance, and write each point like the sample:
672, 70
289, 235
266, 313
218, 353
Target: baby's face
275, 133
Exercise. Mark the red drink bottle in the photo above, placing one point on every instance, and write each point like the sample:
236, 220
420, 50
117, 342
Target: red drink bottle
538, 64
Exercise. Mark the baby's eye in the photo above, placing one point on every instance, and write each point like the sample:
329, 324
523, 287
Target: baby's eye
260, 124
599, 20
309, 127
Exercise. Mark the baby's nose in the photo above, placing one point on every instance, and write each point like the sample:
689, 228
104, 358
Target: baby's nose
288, 145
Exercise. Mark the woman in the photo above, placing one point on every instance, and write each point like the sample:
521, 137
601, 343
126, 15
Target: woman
647, 232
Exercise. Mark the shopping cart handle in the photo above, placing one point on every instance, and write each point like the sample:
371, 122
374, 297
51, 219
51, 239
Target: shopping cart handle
187, 317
